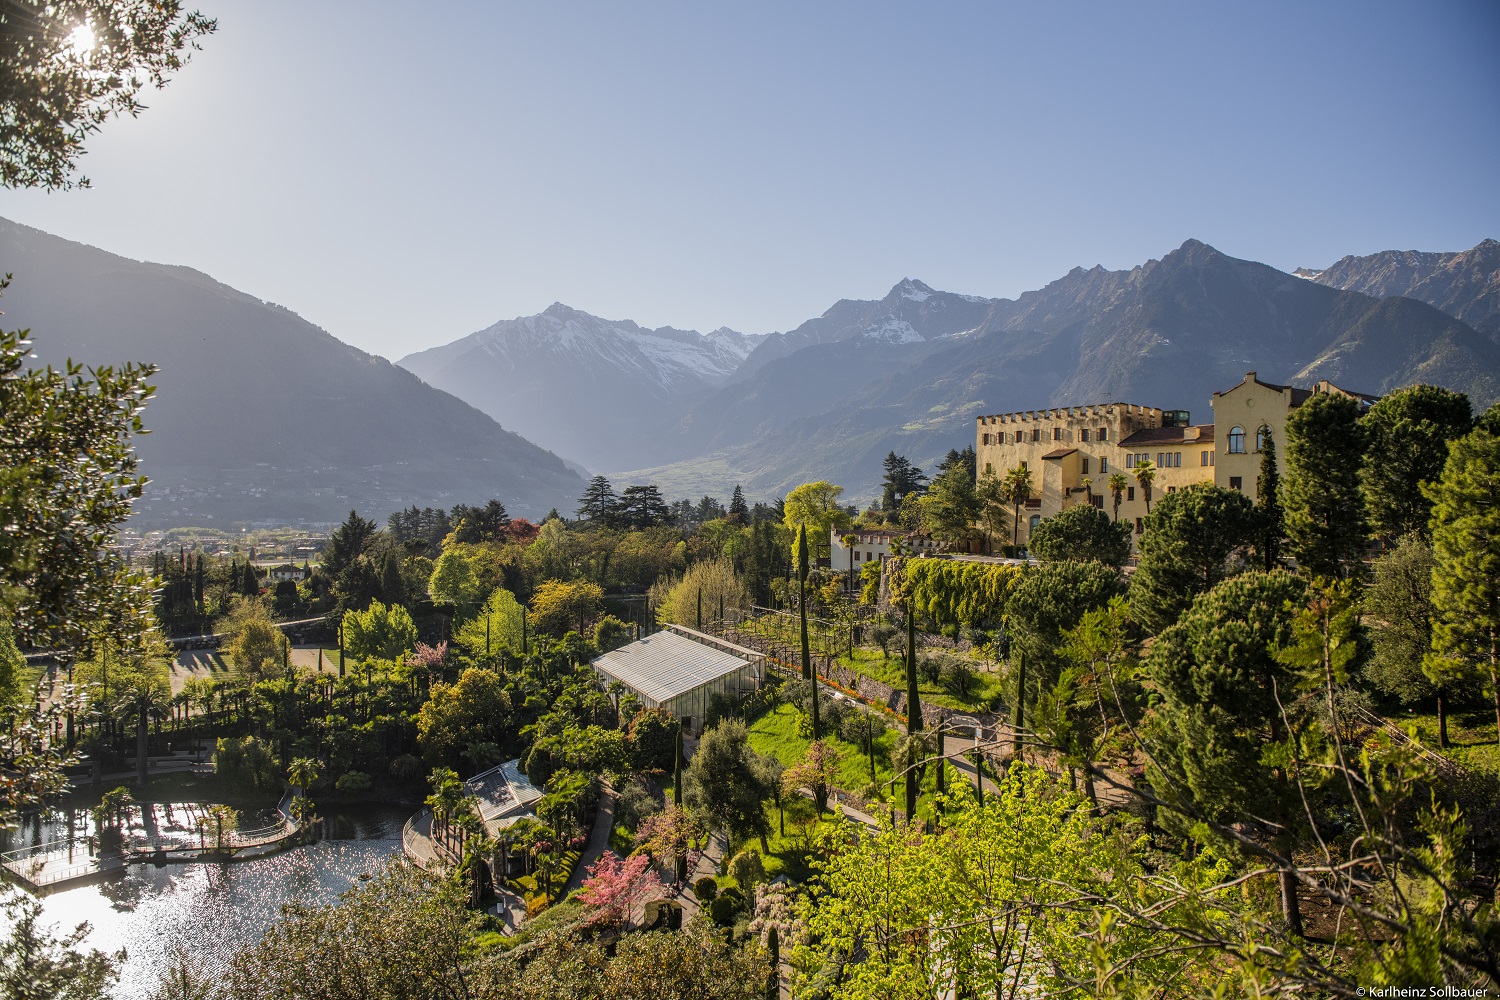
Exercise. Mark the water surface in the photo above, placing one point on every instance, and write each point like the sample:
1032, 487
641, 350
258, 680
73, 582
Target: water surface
215, 909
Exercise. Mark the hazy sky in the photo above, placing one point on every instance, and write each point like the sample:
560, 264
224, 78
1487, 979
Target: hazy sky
404, 174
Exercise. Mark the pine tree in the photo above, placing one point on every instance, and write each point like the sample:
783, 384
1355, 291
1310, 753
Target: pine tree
392, 586
1408, 434
1325, 524
901, 478
1271, 523
1185, 550
599, 504
738, 510
1466, 572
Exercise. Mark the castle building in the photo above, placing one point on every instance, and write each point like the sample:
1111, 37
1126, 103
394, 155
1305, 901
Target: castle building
1072, 452
1251, 409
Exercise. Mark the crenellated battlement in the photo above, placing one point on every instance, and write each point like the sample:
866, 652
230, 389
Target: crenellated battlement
1069, 412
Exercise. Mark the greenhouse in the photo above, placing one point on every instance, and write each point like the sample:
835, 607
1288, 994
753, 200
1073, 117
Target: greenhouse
682, 671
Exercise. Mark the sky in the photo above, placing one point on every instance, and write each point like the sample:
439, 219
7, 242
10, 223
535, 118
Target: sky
405, 174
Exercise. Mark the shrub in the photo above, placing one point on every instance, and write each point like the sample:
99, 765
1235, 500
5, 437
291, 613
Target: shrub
352, 783
706, 889
722, 910
635, 802
406, 767
246, 764
747, 869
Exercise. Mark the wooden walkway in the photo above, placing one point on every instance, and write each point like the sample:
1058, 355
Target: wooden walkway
57, 864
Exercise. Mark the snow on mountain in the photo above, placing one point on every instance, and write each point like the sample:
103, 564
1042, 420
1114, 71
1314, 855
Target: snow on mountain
596, 389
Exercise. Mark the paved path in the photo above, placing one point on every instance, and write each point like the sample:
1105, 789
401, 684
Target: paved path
604, 822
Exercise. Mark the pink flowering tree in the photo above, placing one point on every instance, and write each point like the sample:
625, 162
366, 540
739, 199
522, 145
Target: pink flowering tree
614, 887
671, 834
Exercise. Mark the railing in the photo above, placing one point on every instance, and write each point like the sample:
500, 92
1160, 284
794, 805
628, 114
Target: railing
30, 864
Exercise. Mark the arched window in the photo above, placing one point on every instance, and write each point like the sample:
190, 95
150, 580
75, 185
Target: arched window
1035, 520
1236, 440
1260, 437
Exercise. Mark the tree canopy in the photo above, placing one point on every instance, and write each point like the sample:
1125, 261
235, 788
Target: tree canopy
1186, 544
1081, 533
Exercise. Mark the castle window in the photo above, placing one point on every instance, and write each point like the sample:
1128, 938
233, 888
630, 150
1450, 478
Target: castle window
1236, 440
1104, 434
1103, 465
1036, 434
1235, 482
989, 469
1033, 521
1083, 434
1130, 493
1260, 437
1138, 527
1057, 433
1085, 466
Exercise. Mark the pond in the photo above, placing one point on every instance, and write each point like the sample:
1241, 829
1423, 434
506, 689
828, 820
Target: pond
215, 909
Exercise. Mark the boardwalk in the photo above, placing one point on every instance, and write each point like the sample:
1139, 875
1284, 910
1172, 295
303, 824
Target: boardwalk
50, 866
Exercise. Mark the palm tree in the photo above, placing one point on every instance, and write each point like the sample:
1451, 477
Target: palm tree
143, 702
1018, 488
1117, 485
302, 773
1145, 474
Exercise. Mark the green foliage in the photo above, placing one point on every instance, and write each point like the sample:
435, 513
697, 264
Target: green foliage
497, 626
1407, 435
257, 648
1051, 599
1466, 573
610, 633
706, 889
67, 480
1081, 533
557, 607
12, 666
57, 94
726, 779
35, 963
1325, 512
901, 480
705, 586
247, 764
353, 783
1220, 730
380, 632
951, 505
476, 709
653, 739
1186, 546
453, 580
1270, 526
953, 591
1398, 608
816, 507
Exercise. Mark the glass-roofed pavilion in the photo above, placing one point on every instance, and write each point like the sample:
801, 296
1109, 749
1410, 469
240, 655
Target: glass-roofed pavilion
680, 670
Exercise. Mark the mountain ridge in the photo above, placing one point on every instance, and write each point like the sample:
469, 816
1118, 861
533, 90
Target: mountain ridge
255, 402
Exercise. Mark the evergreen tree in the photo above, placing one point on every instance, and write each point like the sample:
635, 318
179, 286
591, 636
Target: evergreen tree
708, 509
1080, 533
1407, 437
643, 507
348, 542
951, 505
1325, 522
1222, 744
599, 504
738, 510
392, 586
901, 478
1466, 571
965, 458
1186, 544
1270, 529
1398, 608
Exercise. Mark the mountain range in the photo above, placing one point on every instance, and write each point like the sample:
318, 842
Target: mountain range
910, 371
258, 414
261, 416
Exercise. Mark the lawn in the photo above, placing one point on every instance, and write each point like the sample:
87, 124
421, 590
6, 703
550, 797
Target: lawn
1471, 735
775, 733
872, 662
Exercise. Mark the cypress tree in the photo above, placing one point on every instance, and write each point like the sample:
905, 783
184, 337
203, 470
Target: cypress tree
913, 704
808, 673
1271, 530
681, 859
773, 945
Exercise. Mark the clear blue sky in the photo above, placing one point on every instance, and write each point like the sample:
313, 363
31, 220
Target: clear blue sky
404, 174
